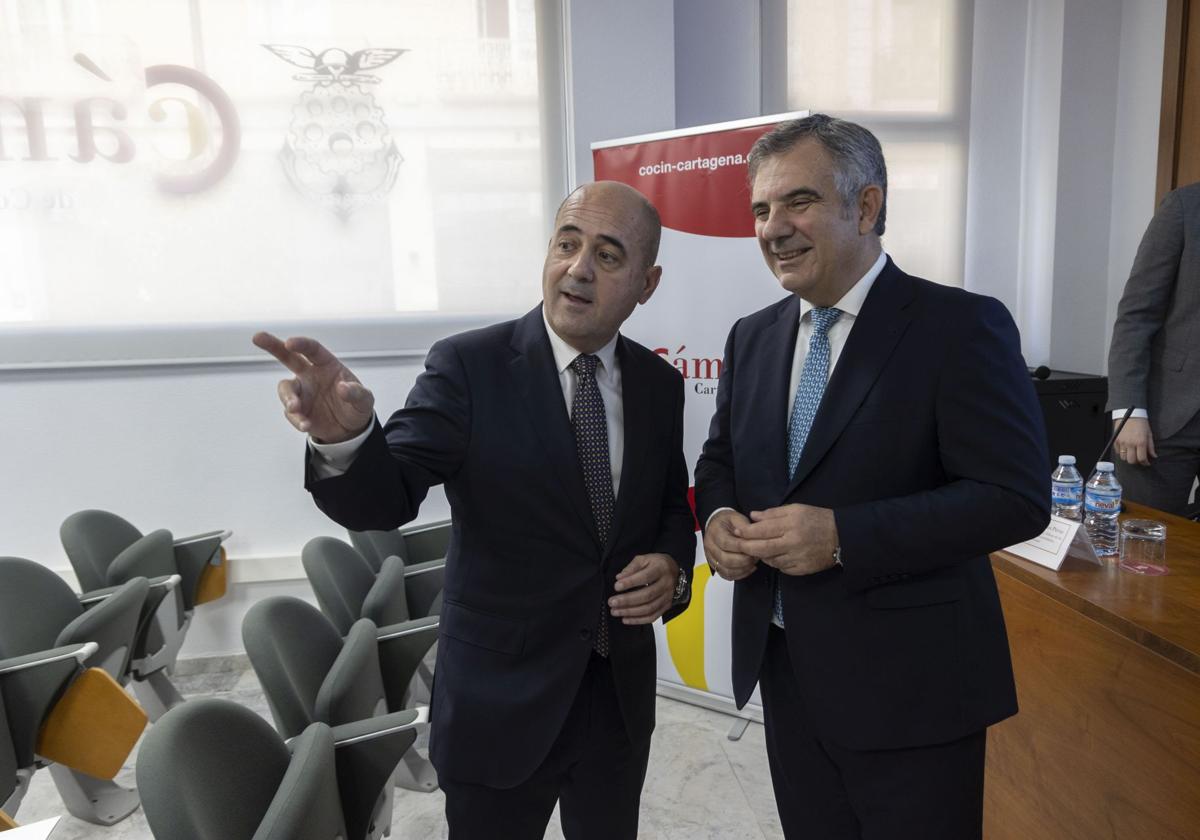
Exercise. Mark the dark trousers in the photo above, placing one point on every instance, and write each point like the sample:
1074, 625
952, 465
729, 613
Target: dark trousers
593, 771
825, 791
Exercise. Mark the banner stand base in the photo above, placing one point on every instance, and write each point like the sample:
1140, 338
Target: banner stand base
715, 703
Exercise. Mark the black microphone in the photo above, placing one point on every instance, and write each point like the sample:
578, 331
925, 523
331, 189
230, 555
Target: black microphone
1040, 372
1116, 431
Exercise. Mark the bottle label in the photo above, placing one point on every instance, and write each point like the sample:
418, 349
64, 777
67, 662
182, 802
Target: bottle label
1067, 492
1102, 502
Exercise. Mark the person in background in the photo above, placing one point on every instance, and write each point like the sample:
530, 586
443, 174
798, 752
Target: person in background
1154, 361
560, 446
875, 436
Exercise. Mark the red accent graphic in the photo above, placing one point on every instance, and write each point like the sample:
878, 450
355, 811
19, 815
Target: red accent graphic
697, 182
692, 504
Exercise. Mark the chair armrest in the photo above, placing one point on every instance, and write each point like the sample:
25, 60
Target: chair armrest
417, 626
381, 726
220, 536
163, 582
426, 526
80, 653
426, 542
424, 568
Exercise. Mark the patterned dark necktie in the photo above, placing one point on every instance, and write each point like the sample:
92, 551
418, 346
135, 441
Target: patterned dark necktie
591, 441
813, 376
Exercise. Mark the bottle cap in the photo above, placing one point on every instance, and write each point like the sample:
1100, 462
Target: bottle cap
1104, 466
1067, 460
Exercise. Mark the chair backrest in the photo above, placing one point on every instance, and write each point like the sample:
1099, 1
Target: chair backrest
8, 758
291, 647
376, 546
35, 605
92, 538
340, 578
211, 769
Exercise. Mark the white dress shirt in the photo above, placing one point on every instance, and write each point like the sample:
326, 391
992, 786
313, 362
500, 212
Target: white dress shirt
332, 459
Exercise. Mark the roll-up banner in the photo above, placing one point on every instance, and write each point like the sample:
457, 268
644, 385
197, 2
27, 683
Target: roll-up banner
713, 274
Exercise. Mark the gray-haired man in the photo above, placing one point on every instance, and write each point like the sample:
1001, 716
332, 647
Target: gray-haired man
876, 435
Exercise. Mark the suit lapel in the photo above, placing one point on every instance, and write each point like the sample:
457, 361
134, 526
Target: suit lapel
879, 326
536, 379
636, 400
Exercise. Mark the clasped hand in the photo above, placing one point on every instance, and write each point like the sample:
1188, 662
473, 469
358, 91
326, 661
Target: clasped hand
795, 539
648, 587
324, 398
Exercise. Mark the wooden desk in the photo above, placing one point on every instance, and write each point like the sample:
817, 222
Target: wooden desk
1107, 742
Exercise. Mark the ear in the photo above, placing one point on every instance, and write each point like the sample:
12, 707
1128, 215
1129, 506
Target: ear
653, 275
870, 201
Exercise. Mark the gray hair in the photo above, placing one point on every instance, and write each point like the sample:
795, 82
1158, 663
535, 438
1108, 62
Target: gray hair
857, 157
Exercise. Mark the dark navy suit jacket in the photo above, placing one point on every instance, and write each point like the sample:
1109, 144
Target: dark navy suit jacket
526, 573
930, 448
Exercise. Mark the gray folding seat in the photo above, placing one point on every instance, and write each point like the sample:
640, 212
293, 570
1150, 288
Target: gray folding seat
422, 551
347, 590
8, 768
45, 637
106, 550
213, 770
310, 673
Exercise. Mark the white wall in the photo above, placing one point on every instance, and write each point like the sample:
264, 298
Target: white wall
194, 448
1064, 139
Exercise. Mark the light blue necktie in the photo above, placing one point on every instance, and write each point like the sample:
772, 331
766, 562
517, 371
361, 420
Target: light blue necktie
809, 391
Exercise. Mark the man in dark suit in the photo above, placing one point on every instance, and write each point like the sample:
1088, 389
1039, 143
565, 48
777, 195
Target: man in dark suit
1154, 360
560, 445
876, 435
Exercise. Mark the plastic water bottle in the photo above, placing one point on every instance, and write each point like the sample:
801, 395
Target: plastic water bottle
1102, 505
1067, 489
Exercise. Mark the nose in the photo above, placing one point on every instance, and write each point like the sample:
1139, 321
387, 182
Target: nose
776, 225
582, 267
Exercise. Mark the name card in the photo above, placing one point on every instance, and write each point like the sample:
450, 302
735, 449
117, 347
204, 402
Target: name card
1062, 538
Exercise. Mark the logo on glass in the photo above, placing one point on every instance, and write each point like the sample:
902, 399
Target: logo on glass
338, 151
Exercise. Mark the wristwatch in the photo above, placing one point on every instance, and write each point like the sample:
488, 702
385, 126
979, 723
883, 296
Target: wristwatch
681, 587
837, 555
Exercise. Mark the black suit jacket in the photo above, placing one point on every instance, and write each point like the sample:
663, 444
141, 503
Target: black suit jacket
526, 574
930, 449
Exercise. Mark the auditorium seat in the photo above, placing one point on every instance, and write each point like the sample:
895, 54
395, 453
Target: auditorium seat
106, 550
46, 637
213, 770
310, 673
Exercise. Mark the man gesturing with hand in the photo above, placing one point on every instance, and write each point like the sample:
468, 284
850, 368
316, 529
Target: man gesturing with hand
560, 446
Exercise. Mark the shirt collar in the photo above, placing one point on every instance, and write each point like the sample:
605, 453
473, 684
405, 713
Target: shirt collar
852, 302
564, 353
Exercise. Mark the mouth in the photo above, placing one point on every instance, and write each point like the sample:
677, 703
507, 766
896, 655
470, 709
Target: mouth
783, 257
576, 299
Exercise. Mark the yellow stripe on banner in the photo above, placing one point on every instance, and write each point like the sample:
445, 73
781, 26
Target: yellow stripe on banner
685, 633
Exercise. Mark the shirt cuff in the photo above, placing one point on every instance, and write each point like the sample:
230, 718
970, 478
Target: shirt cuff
333, 459
1137, 412
714, 513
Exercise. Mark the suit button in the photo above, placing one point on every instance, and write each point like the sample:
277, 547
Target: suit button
585, 634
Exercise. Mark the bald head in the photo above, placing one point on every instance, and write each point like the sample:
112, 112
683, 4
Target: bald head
623, 199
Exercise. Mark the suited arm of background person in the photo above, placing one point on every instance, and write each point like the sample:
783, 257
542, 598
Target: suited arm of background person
390, 473
1140, 315
992, 453
676, 539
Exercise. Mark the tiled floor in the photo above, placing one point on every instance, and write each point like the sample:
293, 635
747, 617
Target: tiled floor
700, 785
